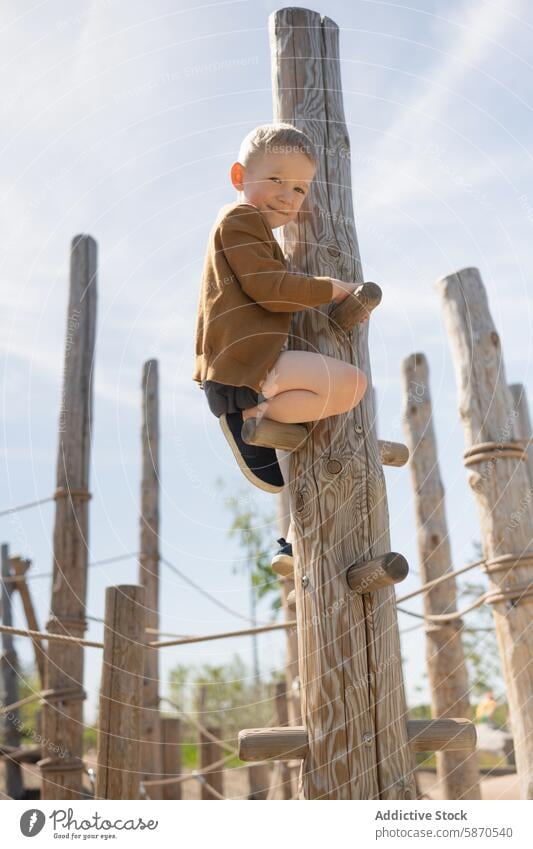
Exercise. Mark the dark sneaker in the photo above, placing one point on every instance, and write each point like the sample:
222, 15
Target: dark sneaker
283, 562
258, 464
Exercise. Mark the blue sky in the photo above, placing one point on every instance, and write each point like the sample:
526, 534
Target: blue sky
122, 120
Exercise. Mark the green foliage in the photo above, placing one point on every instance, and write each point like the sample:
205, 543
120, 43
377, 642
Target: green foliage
233, 700
254, 532
480, 645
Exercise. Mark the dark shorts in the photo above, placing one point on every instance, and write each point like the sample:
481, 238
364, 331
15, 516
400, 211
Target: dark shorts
223, 398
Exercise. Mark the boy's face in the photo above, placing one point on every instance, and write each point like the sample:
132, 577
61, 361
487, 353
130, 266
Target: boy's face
276, 183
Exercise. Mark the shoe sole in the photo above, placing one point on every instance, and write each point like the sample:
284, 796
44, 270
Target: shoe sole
247, 472
283, 564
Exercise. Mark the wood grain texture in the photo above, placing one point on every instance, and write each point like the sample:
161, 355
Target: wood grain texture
151, 763
502, 492
63, 722
119, 718
292, 676
424, 735
210, 753
356, 307
523, 421
290, 437
353, 700
448, 679
171, 755
370, 576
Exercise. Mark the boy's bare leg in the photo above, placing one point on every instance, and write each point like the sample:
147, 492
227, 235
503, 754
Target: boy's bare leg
303, 386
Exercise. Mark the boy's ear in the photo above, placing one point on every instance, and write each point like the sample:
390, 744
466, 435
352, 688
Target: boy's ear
237, 176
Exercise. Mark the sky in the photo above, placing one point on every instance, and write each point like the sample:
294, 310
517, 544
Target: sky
122, 120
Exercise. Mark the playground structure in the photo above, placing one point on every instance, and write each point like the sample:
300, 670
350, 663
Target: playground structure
345, 723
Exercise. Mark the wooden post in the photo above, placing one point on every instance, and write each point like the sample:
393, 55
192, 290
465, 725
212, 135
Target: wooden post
292, 678
171, 755
500, 482
210, 753
62, 771
118, 756
259, 779
20, 567
523, 422
291, 636
353, 701
149, 570
284, 773
448, 678
10, 679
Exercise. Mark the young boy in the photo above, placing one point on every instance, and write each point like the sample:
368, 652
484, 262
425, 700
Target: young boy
247, 299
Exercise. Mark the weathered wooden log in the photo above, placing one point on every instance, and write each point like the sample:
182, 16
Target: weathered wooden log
356, 307
170, 756
121, 695
291, 437
500, 482
458, 772
63, 728
10, 681
292, 679
284, 570
283, 774
424, 735
367, 577
337, 487
210, 753
151, 763
523, 421
259, 779
20, 567
393, 453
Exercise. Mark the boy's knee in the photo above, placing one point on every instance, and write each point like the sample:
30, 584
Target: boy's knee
355, 386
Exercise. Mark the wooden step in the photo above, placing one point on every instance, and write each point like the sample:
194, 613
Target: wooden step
355, 307
424, 735
371, 575
290, 437
284, 569
367, 577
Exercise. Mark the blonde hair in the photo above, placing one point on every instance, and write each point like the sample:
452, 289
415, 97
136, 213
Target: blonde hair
276, 138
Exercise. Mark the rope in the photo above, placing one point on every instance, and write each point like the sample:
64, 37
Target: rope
58, 638
200, 778
439, 580
34, 696
205, 593
27, 577
483, 451
207, 637
26, 506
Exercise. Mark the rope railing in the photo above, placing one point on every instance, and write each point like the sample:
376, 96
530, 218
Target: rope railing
42, 694
262, 629
58, 638
436, 581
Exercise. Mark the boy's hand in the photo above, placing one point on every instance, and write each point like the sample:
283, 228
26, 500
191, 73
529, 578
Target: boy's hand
341, 290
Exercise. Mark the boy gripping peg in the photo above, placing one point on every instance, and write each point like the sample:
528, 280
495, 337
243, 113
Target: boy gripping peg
246, 301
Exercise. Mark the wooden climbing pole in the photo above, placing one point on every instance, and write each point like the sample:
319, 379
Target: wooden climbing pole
498, 476
151, 756
62, 765
457, 772
356, 741
353, 701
